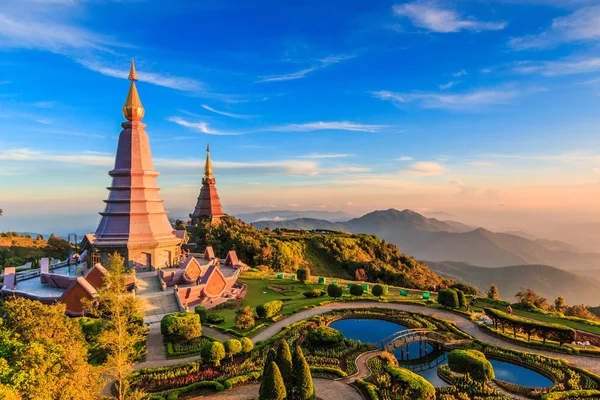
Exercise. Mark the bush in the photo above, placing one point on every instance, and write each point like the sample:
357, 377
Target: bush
335, 291
377, 290
462, 299
244, 319
269, 309
303, 274
313, 293
233, 347
324, 336
181, 325
272, 386
91, 327
213, 353
388, 358
466, 289
241, 379
471, 362
572, 394
448, 298
247, 345
356, 290
411, 385
214, 319
201, 311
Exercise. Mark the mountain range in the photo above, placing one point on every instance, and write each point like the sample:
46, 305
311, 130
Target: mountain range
280, 215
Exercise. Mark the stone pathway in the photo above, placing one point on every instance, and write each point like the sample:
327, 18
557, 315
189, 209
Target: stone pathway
325, 389
363, 368
156, 303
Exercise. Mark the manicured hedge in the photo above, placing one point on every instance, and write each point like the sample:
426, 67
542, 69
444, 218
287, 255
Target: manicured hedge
303, 274
356, 290
181, 325
545, 330
324, 336
471, 362
572, 394
329, 371
269, 309
214, 319
201, 311
242, 379
411, 385
314, 293
369, 388
174, 395
335, 291
448, 298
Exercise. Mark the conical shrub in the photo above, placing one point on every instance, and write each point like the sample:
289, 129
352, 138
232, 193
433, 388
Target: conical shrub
272, 387
303, 384
284, 361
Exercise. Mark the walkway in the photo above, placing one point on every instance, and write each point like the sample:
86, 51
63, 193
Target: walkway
465, 325
156, 303
363, 368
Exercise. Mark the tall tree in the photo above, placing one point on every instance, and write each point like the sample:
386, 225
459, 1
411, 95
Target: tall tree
272, 386
122, 331
303, 384
560, 303
43, 354
493, 293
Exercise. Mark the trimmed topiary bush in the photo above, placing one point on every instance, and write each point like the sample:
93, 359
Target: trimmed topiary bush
233, 347
244, 319
181, 325
462, 299
471, 362
303, 384
335, 291
324, 336
201, 311
284, 361
214, 319
213, 353
303, 274
313, 293
377, 290
448, 298
410, 385
272, 386
357, 290
247, 344
269, 309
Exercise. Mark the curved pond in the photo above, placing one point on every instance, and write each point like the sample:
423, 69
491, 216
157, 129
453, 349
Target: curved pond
423, 358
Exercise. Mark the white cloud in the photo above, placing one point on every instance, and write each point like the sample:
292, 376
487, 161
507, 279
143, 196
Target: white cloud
200, 127
173, 82
565, 66
328, 125
227, 114
426, 168
405, 158
33, 155
475, 98
460, 73
323, 62
448, 85
426, 14
581, 25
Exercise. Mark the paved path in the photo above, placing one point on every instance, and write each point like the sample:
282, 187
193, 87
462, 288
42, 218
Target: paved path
363, 368
465, 325
325, 388
505, 393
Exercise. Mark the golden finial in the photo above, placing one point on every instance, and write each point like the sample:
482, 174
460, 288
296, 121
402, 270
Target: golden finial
208, 165
133, 109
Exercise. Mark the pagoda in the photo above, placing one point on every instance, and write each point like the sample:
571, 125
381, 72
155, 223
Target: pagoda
209, 204
134, 222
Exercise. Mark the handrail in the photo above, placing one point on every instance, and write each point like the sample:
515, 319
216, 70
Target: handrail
420, 333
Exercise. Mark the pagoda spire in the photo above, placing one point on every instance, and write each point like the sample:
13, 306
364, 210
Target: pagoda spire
133, 109
208, 171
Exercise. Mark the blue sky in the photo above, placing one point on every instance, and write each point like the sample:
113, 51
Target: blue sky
487, 109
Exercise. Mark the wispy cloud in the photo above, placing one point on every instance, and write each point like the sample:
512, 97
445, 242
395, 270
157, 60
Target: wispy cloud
566, 66
471, 99
173, 82
425, 168
35, 155
448, 85
405, 158
581, 25
427, 15
322, 63
201, 127
460, 73
227, 114
321, 156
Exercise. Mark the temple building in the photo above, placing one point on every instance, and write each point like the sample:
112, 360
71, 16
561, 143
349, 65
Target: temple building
134, 222
209, 204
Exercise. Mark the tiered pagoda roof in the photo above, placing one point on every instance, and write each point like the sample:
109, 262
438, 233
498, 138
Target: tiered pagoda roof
209, 204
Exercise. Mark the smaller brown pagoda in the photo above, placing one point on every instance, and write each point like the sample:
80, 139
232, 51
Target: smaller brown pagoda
209, 204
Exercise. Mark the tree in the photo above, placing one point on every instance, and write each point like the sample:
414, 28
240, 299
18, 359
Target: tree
335, 291
531, 298
356, 290
39, 237
43, 354
213, 353
284, 361
303, 274
493, 293
560, 304
122, 331
360, 275
303, 384
377, 290
233, 347
272, 386
580, 311
247, 344
244, 319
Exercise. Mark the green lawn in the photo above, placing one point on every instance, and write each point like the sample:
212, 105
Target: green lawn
481, 303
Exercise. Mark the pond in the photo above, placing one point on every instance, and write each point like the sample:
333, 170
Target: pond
424, 359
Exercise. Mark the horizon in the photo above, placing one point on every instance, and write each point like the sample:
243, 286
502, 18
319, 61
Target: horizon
485, 111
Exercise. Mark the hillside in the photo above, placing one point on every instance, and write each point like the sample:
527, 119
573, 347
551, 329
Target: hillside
331, 254
432, 239
16, 249
548, 281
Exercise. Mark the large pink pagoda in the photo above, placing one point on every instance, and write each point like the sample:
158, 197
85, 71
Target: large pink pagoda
134, 222
208, 205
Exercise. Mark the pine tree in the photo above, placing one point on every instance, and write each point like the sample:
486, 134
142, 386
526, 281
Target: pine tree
284, 361
272, 386
303, 384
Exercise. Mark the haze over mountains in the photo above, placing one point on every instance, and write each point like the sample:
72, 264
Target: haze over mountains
470, 249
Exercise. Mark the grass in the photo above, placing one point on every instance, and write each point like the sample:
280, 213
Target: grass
481, 303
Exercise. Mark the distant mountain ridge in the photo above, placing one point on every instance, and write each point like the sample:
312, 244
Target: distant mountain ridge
548, 281
431, 239
279, 215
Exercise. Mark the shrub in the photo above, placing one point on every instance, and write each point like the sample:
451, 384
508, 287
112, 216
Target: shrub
201, 311
462, 299
91, 327
388, 358
272, 386
356, 290
303, 274
284, 361
247, 345
233, 347
181, 325
324, 336
448, 298
303, 387
377, 290
471, 362
466, 289
244, 319
313, 293
335, 291
269, 309
214, 319
411, 385
213, 353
